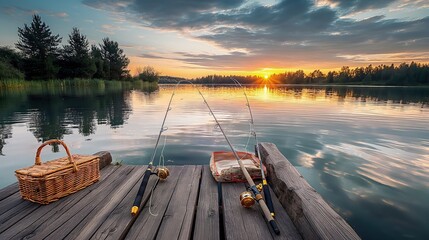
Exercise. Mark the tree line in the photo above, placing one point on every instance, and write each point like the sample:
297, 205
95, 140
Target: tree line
402, 75
41, 58
219, 79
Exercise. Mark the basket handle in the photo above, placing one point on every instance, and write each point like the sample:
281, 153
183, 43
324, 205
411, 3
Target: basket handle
39, 150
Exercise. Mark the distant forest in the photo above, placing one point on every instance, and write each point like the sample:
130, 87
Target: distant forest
41, 58
402, 75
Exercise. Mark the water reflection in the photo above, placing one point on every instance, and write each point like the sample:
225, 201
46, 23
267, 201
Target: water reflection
404, 95
364, 149
53, 114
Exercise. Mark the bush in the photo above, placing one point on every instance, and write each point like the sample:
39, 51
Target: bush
148, 74
7, 71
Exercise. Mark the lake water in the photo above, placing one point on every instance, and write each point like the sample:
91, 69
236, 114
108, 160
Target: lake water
364, 149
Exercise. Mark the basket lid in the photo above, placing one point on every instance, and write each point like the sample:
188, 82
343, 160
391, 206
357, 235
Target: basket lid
55, 165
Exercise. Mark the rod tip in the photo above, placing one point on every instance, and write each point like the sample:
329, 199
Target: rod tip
134, 210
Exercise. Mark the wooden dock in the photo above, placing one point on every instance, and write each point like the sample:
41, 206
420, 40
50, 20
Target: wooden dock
188, 205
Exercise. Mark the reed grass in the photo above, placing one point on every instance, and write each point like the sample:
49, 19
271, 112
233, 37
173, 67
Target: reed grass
72, 86
12, 84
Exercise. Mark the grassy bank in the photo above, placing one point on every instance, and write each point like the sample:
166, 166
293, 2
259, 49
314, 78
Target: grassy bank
83, 86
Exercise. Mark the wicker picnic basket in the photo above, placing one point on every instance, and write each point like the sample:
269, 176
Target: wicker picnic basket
48, 182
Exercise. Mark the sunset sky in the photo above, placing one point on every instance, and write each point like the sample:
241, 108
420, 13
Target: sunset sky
191, 38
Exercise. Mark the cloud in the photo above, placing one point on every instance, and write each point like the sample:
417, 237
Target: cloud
289, 32
413, 4
391, 57
109, 29
359, 5
14, 10
60, 14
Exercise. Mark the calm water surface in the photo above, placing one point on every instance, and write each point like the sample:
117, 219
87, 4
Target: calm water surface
364, 149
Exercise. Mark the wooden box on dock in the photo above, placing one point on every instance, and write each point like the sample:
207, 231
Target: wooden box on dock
47, 182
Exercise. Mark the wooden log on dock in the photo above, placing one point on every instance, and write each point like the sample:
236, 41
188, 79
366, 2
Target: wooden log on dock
312, 216
105, 158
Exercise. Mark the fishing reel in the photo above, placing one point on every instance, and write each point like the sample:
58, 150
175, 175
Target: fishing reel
163, 173
246, 199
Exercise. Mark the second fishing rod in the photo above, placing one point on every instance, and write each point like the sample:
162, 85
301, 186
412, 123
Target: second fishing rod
253, 188
265, 187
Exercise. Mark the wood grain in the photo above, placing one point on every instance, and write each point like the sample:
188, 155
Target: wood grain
239, 222
179, 216
207, 216
146, 225
311, 215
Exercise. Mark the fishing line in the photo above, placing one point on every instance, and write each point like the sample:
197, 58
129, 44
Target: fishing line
248, 139
161, 161
150, 199
257, 195
265, 186
162, 172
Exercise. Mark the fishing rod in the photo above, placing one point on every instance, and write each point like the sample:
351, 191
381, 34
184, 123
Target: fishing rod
255, 191
265, 186
162, 173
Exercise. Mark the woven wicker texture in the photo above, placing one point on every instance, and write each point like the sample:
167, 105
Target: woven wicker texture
47, 182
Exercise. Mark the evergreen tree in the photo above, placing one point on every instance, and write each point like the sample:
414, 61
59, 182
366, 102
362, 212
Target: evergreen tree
40, 48
101, 66
116, 59
75, 58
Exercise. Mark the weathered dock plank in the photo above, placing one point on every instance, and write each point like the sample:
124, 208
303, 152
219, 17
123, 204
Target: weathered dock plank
239, 222
191, 205
179, 216
99, 214
207, 216
146, 225
13, 210
285, 224
9, 203
16, 213
81, 211
120, 219
311, 215
9, 190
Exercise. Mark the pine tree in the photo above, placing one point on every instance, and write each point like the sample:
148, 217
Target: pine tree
116, 59
75, 58
40, 48
101, 66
